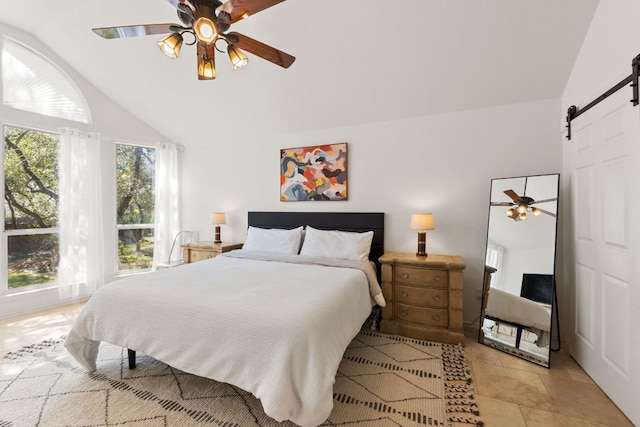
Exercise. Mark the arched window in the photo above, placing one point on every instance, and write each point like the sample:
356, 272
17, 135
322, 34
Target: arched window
31, 82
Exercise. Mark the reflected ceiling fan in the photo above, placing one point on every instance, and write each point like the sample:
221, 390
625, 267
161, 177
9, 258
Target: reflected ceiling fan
208, 22
520, 205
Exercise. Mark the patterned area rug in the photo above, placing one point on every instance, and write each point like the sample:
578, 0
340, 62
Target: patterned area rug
383, 380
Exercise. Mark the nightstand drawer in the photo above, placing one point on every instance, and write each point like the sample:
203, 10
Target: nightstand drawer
422, 296
422, 315
421, 277
202, 255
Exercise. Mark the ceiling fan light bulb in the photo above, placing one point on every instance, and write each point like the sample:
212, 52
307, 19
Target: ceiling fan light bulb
536, 211
511, 213
522, 208
171, 45
205, 30
238, 59
522, 216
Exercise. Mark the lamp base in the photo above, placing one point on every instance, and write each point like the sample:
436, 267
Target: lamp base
422, 244
217, 235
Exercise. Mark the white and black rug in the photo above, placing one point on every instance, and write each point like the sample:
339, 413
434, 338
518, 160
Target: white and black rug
383, 380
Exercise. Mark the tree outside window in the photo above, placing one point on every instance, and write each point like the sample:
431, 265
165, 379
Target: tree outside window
31, 206
135, 209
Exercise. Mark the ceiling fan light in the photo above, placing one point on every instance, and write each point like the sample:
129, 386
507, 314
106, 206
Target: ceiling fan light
205, 30
238, 59
511, 213
206, 68
522, 216
522, 208
171, 45
536, 211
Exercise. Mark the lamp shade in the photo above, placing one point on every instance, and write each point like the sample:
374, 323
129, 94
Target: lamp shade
422, 221
218, 218
206, 68
171, 45
238, 59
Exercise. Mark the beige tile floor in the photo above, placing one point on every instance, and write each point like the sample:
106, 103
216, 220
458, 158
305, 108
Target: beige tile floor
510, 392
514, 393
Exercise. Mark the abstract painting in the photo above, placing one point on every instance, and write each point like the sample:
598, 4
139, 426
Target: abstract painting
314, 173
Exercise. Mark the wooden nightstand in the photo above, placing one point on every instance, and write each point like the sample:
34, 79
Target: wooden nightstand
192, 252
424, 296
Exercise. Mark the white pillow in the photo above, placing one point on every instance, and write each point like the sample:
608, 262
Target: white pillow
337, 244
273, 240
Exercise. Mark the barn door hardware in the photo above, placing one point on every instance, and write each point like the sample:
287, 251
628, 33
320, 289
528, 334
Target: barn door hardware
631, 80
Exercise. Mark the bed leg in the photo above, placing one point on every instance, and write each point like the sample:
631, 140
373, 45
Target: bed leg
132, 358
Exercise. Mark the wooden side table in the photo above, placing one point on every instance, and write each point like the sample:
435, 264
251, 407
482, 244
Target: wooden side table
424, 296
192, 252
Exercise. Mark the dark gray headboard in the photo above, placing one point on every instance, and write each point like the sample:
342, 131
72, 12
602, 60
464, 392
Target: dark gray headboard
343, 221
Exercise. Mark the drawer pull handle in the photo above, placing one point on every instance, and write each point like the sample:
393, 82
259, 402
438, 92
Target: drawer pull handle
437, 278
405, 294
436, 297
436, 317
405, 275
403, 311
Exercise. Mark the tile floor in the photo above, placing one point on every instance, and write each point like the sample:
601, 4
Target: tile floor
510, 392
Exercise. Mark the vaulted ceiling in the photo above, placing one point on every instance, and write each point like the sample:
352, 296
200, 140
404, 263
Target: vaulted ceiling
357, 61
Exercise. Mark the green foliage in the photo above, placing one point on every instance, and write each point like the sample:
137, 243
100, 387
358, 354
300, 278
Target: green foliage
31, 178
136, 256
135, 172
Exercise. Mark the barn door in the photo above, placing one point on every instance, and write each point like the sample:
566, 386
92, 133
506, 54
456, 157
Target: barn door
602, 161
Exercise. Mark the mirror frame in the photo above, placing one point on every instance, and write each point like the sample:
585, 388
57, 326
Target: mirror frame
531, 356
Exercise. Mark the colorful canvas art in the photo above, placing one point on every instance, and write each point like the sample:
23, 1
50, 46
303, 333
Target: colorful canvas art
314, 173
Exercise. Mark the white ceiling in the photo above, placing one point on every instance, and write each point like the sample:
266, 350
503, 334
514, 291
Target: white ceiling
357, 61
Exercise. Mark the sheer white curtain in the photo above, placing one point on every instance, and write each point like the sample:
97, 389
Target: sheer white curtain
81, 268
167, 203
495, 255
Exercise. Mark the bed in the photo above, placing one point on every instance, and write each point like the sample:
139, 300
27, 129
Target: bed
273, 324
521, 313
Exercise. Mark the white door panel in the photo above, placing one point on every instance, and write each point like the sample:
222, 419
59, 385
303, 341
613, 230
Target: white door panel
602, 163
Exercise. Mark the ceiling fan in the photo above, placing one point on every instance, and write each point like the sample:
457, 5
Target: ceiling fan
208, 22
520, 205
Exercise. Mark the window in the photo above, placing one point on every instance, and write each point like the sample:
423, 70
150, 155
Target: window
31, 82
30, 206
135, 210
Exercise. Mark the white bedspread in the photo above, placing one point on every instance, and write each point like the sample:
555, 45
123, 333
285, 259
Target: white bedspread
513, 308
277, 330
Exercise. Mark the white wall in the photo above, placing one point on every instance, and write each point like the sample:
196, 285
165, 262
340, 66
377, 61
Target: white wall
606, 53
520, 261
441, 164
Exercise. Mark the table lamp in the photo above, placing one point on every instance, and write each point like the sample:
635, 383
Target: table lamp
422, 222
217, 219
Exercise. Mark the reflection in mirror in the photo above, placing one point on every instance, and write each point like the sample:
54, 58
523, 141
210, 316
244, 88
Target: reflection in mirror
519, 295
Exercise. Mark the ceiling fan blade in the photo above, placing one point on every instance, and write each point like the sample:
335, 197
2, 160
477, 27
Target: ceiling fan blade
512, 194
240, 9
262, 50
134, 30
544, 201
501, 203
547, 212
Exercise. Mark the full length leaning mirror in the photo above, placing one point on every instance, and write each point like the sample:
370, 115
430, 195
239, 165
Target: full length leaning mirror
518, 292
